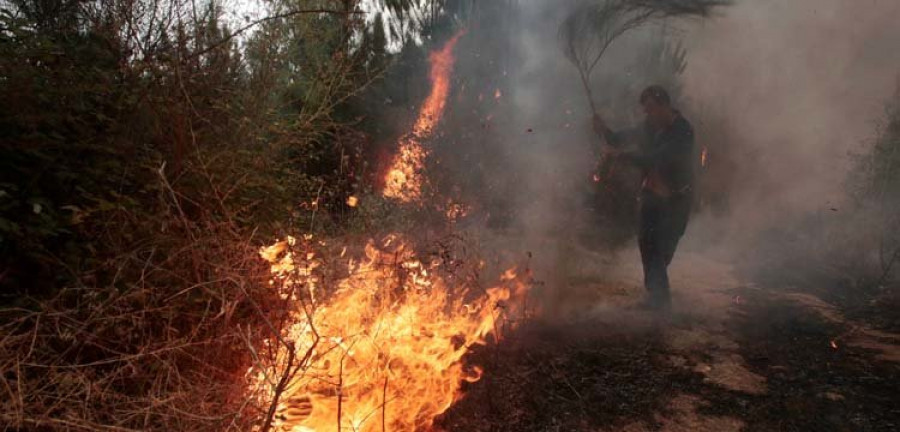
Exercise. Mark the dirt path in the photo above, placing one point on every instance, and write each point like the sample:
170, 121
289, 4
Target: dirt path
696, 337
732, 356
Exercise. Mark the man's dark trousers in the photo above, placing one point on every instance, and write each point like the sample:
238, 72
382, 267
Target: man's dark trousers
663, 221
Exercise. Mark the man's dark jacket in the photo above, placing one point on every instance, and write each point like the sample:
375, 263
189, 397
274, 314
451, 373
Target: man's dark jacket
668, 154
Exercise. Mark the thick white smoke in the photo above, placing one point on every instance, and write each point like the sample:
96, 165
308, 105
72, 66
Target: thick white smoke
801, 83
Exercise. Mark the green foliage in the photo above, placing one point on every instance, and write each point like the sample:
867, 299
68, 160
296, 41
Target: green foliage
246, 135
878, 173
63, 96
875, 183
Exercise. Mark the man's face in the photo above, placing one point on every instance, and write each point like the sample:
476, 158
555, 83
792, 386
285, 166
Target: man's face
657, 113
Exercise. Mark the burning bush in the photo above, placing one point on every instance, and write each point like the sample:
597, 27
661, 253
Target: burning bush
381, 348
138, 169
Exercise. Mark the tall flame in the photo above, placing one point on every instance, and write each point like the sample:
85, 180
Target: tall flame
405, 177
384, 352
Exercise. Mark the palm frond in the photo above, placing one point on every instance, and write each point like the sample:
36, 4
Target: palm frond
591, 28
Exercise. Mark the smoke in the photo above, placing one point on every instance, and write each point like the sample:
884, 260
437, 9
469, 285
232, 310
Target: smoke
787, 91
779, 91
532, 146
541, 124
800, 84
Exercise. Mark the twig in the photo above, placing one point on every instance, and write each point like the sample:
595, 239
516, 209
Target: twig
184, 220
282, 384
384, 402
340, 390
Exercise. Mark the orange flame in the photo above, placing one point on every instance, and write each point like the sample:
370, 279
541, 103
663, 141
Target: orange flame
405, 177
704, 157
383, 352
456, 211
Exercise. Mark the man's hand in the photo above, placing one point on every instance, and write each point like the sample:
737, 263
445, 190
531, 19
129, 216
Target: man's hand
600, 126
602, 130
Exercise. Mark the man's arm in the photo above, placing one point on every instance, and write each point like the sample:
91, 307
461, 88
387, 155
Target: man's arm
615, 139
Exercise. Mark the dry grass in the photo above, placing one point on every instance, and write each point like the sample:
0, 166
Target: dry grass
157, 339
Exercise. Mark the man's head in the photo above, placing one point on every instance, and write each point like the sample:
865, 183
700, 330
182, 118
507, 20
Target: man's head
657, 106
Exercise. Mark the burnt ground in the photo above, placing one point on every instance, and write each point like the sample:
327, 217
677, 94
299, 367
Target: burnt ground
732, 356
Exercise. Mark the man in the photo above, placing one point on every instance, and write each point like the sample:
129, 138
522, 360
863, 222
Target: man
663, 149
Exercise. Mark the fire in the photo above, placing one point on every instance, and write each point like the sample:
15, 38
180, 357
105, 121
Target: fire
456, 211
704, 156
383, 352
405, 177
441, 68
404, 180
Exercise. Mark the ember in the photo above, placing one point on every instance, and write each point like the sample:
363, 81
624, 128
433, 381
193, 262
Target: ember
456, 211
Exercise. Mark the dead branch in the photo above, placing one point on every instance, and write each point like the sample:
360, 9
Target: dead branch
279, 389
